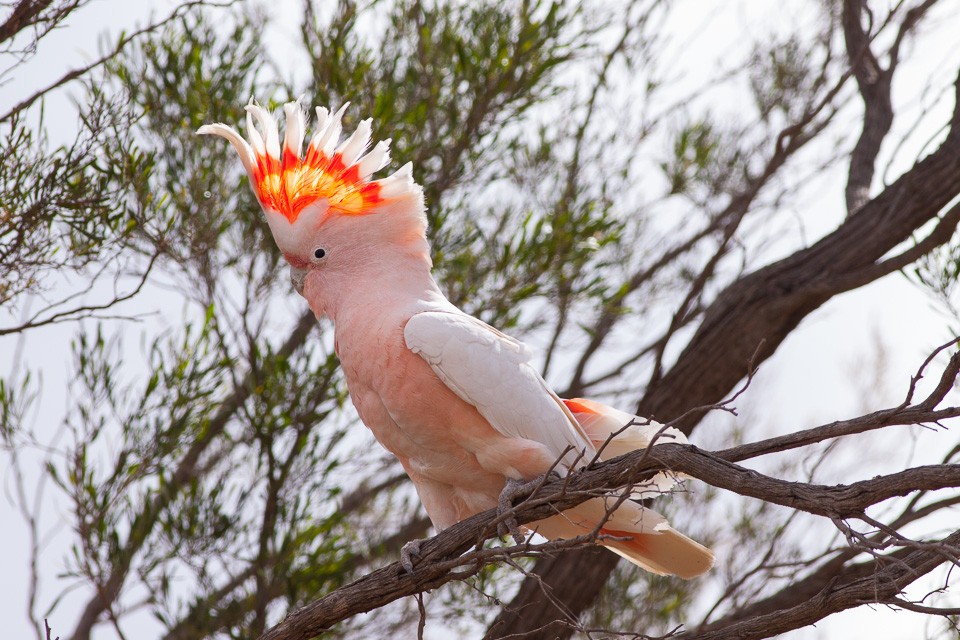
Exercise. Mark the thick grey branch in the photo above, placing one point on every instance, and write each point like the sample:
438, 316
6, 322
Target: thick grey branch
749, 320
442, 554
752, 317
878, 581
874, 84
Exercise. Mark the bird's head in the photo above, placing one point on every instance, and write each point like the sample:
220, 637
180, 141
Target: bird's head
324, 211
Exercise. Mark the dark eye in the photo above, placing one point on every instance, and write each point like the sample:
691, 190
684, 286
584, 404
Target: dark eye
319, 253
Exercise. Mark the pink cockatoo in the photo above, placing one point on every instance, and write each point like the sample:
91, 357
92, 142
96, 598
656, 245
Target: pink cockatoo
456, 401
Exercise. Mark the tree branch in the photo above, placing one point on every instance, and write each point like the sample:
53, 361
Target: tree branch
763, 307
445, 557
749, 320
25, 14
880, 580
122, 43
873, 82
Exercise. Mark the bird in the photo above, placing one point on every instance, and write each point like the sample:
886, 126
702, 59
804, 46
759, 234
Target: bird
458, 403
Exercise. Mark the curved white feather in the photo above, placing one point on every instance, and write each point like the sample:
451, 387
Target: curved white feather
256, 140
491, 371
331, 133
243, 149
268, 126
397, 183
296, 124
357, 143
376, 159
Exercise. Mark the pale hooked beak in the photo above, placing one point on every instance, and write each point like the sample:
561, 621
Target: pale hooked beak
297, 276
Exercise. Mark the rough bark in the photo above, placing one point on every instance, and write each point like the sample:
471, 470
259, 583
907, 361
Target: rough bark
26, 13
560, 583
874, 83
879, 581
457, 552
749, 320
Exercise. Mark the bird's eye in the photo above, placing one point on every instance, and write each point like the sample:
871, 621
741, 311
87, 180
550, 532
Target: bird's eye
319, 253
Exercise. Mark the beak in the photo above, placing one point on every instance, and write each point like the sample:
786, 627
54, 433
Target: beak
297, 276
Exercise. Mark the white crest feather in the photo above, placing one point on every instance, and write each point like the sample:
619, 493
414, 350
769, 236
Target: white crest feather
296, 123
377, 159
356, 144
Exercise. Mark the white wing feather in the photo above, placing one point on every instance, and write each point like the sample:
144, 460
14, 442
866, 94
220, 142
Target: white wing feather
491, 371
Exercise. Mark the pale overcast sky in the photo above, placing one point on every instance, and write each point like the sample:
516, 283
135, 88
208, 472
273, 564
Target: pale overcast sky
841, 334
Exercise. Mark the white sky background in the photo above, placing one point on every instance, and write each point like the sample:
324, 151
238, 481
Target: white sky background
811, 379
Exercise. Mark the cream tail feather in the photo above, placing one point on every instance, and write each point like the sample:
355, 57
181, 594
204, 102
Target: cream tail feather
653, 544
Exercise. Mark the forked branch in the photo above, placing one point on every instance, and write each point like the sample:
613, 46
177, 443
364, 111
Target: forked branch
458, 553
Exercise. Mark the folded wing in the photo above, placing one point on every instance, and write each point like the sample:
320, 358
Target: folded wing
491, 371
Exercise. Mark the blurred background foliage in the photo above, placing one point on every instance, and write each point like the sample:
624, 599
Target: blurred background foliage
213, 471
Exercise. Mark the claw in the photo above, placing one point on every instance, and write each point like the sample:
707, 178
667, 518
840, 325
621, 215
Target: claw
408, 552
511, 490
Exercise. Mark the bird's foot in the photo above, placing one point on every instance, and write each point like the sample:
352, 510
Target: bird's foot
509, 525
408, 552
511, 491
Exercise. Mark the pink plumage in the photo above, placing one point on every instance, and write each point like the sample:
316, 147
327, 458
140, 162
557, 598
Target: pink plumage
456, 401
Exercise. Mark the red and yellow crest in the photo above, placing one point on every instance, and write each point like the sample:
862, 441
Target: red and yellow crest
286, 181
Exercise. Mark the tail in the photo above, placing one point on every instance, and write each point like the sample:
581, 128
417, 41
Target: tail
666, 553
640, 535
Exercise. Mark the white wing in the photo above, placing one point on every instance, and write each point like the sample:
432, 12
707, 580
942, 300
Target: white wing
490, 371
